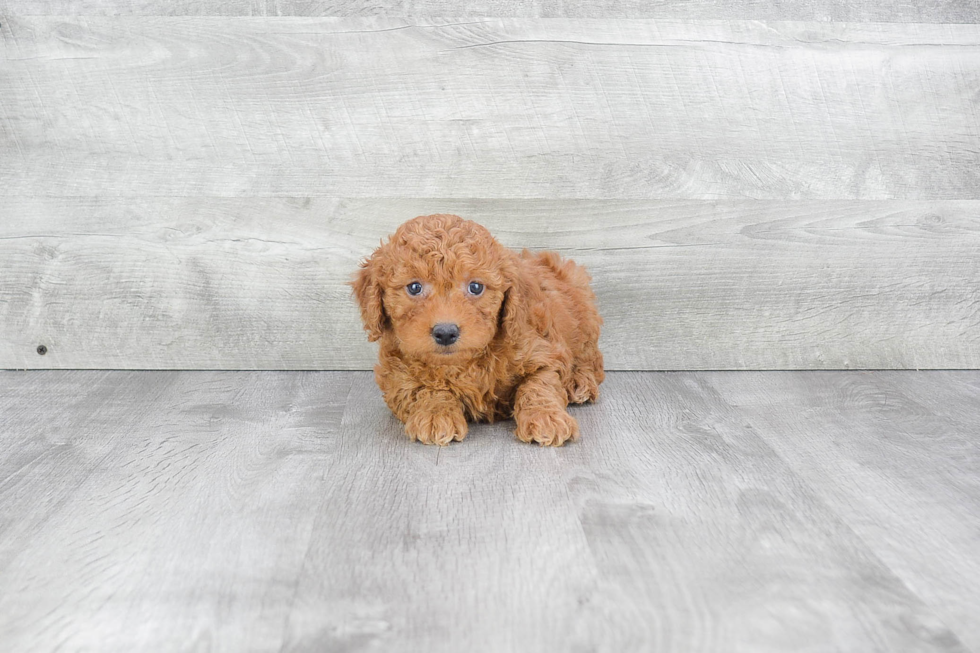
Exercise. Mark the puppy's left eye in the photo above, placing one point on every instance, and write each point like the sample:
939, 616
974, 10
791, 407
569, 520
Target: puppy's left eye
475, 288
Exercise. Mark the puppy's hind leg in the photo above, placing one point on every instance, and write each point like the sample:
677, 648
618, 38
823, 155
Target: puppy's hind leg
584, 386
587, 374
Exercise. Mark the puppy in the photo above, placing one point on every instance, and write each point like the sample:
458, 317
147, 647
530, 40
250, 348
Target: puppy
470, 330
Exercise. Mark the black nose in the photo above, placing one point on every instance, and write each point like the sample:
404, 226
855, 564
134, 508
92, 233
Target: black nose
445, 334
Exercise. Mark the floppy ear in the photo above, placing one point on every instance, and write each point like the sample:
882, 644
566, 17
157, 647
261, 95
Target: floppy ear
515, 311
369, 293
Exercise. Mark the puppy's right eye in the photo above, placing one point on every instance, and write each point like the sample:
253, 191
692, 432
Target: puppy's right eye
414, 288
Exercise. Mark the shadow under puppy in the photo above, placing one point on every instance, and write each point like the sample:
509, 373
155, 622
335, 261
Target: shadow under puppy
472, 330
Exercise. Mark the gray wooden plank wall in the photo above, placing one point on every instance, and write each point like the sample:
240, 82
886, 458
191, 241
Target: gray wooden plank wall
192, 191
897, 11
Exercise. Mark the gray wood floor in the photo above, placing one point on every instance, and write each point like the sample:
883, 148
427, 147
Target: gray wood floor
701, 511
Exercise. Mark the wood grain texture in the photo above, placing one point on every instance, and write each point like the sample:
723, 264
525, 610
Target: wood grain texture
900, 11
706, 540
897, 457
59, 429
260, 283
185, 533
495, 108
441, 549
230, 511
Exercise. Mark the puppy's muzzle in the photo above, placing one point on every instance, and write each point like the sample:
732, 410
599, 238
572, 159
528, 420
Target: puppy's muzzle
445, 334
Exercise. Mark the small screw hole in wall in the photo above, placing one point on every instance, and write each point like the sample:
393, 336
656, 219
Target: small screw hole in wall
42, 350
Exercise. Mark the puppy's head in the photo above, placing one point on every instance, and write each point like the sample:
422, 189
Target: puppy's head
438, 285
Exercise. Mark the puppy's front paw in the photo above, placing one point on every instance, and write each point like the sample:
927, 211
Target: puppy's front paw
549, 428
436, 428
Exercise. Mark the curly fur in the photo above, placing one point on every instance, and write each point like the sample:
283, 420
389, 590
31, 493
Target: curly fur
527, 345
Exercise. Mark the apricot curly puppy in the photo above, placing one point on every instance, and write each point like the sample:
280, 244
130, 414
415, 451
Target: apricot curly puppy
470, 330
